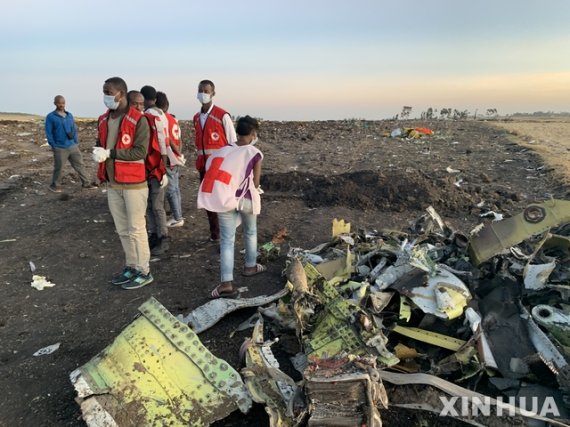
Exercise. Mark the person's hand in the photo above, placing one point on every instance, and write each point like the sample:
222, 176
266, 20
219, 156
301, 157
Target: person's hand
100, 154
164, 181
182, 159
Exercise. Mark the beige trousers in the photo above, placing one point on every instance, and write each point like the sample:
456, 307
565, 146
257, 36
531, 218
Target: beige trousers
128, 209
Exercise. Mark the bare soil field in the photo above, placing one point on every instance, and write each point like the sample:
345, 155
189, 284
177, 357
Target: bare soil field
312, 172
548, 138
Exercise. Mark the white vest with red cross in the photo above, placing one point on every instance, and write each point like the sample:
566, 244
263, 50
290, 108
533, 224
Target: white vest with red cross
228, 178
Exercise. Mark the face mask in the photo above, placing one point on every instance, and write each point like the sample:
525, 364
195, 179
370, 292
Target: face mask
204, 98
110, 103
254, 141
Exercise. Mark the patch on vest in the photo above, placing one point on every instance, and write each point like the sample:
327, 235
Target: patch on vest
215, 136
176, 132
126, 139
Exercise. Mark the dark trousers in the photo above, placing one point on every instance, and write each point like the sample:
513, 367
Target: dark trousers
62, 155
212, 218
155, 213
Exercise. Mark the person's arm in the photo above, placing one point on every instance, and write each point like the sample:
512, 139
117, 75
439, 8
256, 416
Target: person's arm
162, 133
49, 130
257, 174
229, 129
139, 149
74, 129
177, 151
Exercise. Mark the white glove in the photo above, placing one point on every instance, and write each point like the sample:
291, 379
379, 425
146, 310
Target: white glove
182, 160
260, 190
100, 154
164, 181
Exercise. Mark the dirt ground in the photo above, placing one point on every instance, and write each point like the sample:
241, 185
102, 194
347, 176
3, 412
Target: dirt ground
313, 172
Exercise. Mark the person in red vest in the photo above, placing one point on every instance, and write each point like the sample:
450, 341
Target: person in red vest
156, 214
122, 146
175, 161
155, 173
214, 129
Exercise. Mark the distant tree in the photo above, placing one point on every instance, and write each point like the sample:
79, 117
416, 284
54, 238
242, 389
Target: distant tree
405, 112
491, 112
460, 115
446, 113
429, 113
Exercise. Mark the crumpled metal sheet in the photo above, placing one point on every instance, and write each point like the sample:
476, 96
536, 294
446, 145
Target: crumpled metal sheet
207, 315
442, 294
556, 322
157, 372
267, 384
535, 219
344, 392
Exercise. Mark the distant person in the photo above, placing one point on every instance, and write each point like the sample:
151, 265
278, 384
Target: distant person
214, 129
156, 214
122, 146
175, 161
61, 134
231, 188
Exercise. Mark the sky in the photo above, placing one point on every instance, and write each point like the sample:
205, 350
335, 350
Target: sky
290, 60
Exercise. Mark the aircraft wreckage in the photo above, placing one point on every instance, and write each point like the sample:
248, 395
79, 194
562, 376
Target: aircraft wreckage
372, 313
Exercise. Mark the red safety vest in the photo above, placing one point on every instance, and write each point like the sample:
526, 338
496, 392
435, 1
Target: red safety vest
155, 167
211, 138
174, 131
126, 172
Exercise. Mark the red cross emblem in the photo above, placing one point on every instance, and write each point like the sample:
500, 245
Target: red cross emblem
214, 174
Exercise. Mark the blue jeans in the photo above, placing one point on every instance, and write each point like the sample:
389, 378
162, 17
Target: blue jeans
173, 192
228, 224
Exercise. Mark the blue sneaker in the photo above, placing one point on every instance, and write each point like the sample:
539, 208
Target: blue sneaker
138, 281
124, 276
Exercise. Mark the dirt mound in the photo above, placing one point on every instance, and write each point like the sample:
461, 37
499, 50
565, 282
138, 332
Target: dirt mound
366, 190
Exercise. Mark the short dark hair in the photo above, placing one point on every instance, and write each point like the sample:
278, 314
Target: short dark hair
131, 94
207, 82
162, 101
118, 83
148, 92
246, 125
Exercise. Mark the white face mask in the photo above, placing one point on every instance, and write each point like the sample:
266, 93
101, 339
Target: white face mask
254, 141
110, 103
204, 98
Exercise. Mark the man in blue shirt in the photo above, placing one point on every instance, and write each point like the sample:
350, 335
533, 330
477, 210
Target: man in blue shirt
61, 134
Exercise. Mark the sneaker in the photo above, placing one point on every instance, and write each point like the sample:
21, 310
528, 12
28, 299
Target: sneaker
89, 187
162, 246
175, 222
124, 276
54, 188
138, 281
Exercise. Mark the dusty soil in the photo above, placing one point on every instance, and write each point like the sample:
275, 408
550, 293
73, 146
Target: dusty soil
313, 172
549, 138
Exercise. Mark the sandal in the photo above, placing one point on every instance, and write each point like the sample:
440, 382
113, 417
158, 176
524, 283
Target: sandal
258, 269
218, 293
